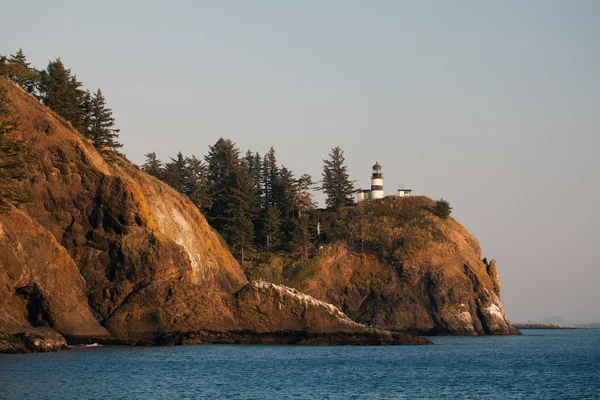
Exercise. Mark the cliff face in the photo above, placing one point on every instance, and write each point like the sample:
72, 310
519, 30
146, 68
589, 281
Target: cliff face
41, 285
404, 269
103, 252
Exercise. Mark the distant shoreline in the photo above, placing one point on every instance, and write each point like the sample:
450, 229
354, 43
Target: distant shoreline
547, 326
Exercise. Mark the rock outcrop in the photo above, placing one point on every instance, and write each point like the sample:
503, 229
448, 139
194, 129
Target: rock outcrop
40, 288
32, 340
417, 273
102, 252
172, 313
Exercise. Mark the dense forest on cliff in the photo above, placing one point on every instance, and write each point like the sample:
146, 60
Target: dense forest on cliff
259, 206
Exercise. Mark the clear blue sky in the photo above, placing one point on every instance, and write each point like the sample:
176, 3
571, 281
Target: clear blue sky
493, 105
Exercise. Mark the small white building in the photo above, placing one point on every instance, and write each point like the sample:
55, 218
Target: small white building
404, 191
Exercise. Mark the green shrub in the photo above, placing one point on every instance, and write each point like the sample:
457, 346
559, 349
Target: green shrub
442, 208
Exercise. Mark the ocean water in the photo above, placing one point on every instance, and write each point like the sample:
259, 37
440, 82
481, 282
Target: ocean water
541, 364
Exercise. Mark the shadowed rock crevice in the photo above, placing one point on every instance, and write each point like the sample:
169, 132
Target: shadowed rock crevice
38, 310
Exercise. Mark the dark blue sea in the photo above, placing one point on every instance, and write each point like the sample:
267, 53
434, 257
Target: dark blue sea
541, 364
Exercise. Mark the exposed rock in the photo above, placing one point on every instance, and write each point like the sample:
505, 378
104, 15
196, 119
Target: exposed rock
40, 284
174, 313
418, 273
263, 307
31, 341
101, 248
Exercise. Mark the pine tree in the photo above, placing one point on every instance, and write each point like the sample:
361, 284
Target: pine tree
253, 164
284, 192
304, 200
4, 66
254, 167
222, 158
19, 72
241, 232
442, 209
85, 109
11, 153
239, 229
271, 227
222, 166
301, 235
358, 225
101, 123
270, 174
61, 92
336, 182
153, 165
175, 172
194, 183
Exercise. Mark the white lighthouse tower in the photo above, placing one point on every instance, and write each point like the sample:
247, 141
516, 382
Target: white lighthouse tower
376, 182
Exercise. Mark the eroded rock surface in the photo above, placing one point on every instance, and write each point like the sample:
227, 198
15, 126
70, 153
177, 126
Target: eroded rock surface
417, 273
40, 286
103, 252
32, 340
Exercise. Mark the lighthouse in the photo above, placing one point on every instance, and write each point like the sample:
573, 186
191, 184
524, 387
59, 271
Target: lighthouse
376, 182
376, 191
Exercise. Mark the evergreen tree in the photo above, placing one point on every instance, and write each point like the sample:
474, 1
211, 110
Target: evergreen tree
301, 235
304, 199
239, 230
271, 227
85, 109
358, 225
442, 208
284, 193
175, 172
270, 173
296, 206
222, 167
19, 72
253, 165
3, 66
194, 183
153, 165
101, 123
11, 153
336, 182
61, 92
274, 204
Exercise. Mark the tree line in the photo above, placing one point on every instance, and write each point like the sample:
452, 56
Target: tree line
11, 154
58, 88
252, 201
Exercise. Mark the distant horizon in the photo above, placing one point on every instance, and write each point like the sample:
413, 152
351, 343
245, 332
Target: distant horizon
491, 106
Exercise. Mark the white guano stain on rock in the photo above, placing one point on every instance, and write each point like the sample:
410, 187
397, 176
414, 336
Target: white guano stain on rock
495, 312
465, 316
306, 300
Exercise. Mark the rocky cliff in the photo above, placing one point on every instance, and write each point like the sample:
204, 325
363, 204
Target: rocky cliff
103, 252
397, 266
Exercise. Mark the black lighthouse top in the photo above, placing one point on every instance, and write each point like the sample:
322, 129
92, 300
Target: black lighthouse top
376, 174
